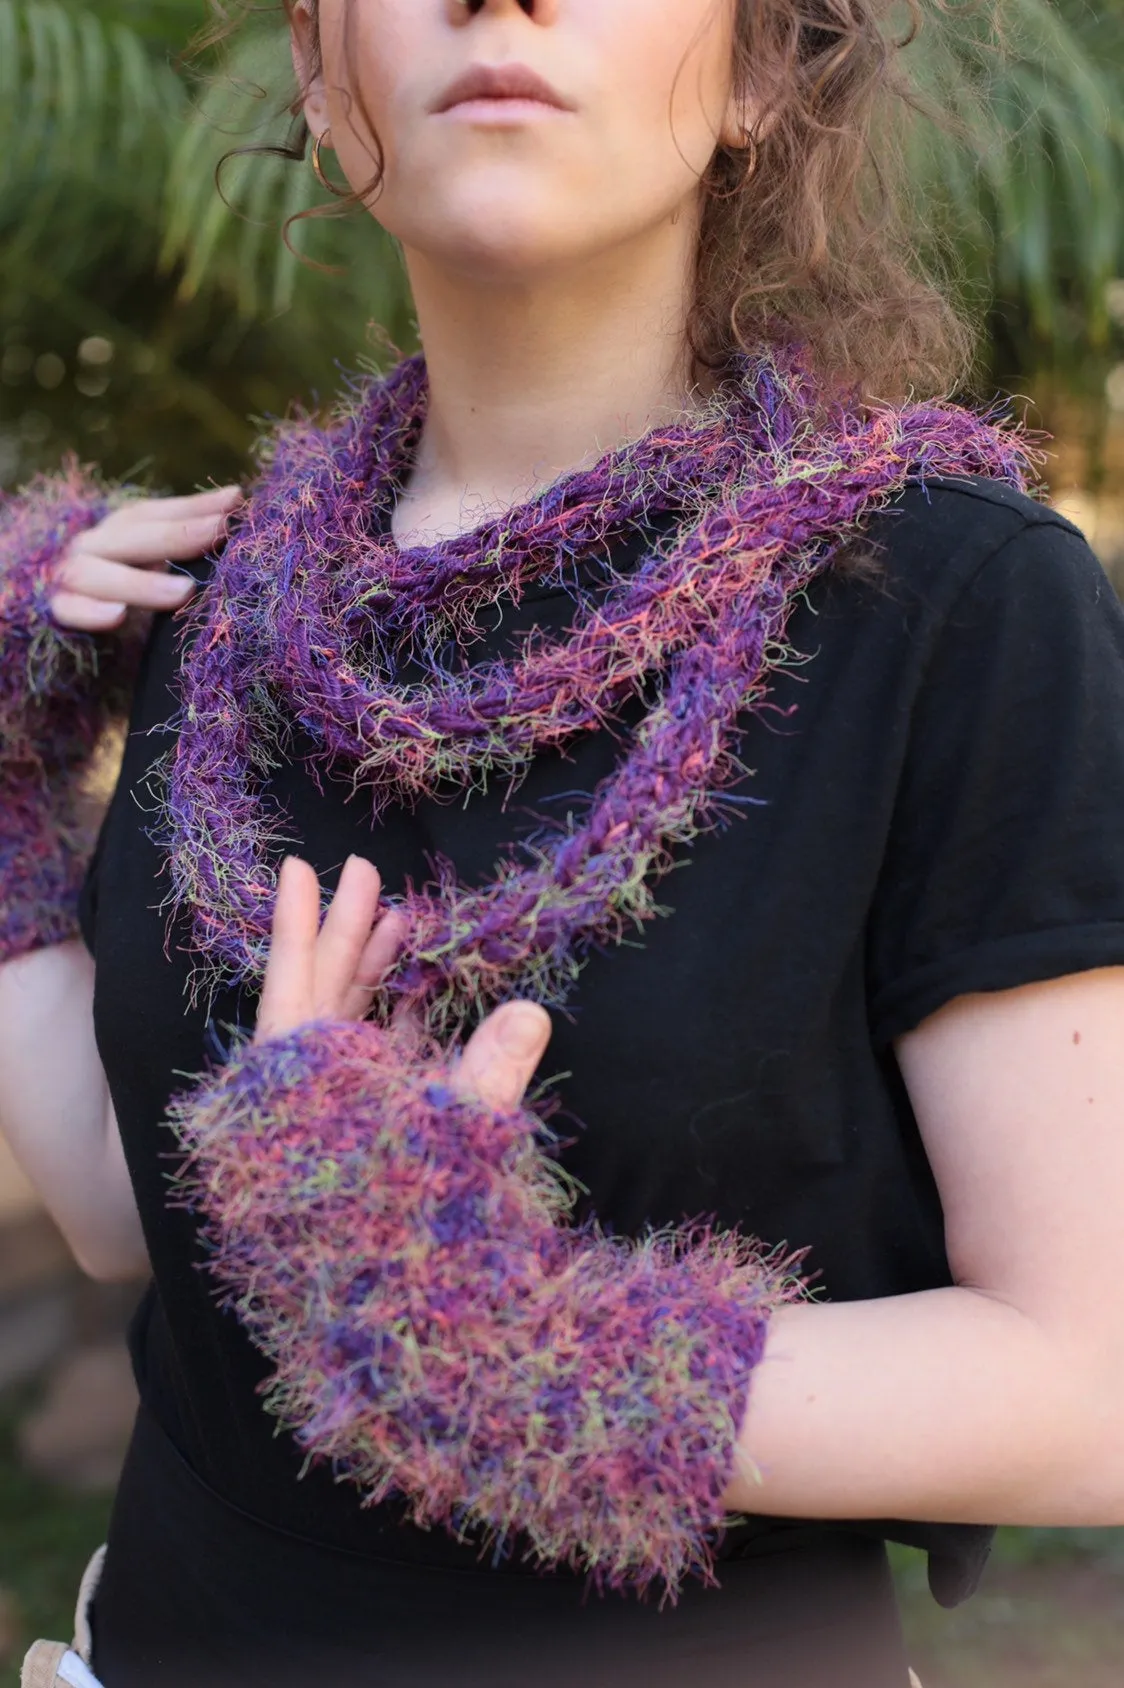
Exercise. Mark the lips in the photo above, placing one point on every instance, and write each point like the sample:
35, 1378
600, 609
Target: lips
500, 82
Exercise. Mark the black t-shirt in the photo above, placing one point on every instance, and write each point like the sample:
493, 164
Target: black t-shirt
936, 790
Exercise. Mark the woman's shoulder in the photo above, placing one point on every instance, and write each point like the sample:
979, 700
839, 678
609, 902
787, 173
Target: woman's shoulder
964, 600
943, 531
1001, 644
955, 554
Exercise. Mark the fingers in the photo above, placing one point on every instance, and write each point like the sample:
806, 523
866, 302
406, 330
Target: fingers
194, 503
87, 615
88, 576
287, 990
500, 1057
148, 541
327, 970
346, 931
332, 970
379, 954
123, 560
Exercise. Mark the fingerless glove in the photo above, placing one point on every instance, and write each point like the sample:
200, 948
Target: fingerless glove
438, 1330
58, 692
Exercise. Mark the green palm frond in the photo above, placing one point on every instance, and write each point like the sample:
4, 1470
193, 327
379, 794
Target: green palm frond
1029, 185
219, 236
87, 116
163, 25
232, 239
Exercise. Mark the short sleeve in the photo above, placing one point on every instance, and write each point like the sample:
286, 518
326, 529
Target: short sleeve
1005, 857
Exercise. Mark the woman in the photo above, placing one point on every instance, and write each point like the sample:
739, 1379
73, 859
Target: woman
641, 569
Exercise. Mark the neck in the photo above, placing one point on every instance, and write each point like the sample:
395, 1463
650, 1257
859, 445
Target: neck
531, 378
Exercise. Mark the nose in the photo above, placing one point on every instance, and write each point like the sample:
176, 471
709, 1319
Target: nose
541, 11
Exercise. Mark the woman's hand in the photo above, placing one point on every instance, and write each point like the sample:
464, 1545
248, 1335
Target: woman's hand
332, 971
123, 561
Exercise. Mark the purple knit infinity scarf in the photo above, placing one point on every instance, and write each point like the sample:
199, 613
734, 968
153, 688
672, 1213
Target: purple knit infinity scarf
313, 611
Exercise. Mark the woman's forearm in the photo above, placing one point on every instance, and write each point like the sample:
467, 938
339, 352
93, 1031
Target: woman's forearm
947, 1405
55, 1109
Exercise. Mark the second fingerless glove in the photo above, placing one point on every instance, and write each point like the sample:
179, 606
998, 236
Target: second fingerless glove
58, 691
436, 1328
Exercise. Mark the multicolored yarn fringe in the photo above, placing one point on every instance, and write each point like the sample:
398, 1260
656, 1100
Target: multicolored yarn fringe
58, 692
400, 1254
314, 614
402, 1257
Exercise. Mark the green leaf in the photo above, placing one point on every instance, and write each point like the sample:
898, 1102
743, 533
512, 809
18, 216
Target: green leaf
1036, 171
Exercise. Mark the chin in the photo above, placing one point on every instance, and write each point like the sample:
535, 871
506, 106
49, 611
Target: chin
502, 239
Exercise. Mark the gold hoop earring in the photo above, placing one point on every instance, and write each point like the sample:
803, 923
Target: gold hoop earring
314, 160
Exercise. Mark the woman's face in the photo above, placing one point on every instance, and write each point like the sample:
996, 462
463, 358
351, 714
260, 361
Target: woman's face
634, 97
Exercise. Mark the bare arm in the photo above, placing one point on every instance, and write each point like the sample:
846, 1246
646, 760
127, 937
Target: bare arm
56, 1113
1000, 1400
54, 1101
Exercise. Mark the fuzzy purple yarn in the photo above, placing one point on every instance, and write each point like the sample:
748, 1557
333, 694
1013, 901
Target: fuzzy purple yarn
58, 692
313, 611
399, 1253
401, 1256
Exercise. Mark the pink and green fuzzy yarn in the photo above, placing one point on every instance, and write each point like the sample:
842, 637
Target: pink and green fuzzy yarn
313, 613
438, 1331
402, 1258
58, 692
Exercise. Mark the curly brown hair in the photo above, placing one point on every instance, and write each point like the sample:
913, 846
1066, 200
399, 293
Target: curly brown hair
808, 233
814, 235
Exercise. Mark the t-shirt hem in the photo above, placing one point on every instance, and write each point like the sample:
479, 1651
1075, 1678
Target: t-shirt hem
1025, 959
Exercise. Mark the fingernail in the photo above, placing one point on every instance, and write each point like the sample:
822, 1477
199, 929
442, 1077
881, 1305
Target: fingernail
176, 585
522, 1033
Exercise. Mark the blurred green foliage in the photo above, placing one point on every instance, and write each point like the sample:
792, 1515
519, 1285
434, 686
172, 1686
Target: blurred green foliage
147, 319
1027, 185
46, 1538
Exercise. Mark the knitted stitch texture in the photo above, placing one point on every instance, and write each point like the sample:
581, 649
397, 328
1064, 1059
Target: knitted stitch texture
402, 1258
59, 690
400, 1255
313, 616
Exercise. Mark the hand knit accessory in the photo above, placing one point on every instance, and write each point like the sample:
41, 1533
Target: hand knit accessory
59, 690
400, 1255
314, 612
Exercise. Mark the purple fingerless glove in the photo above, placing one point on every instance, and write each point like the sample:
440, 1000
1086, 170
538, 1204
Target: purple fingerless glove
58, 691
438, 1330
